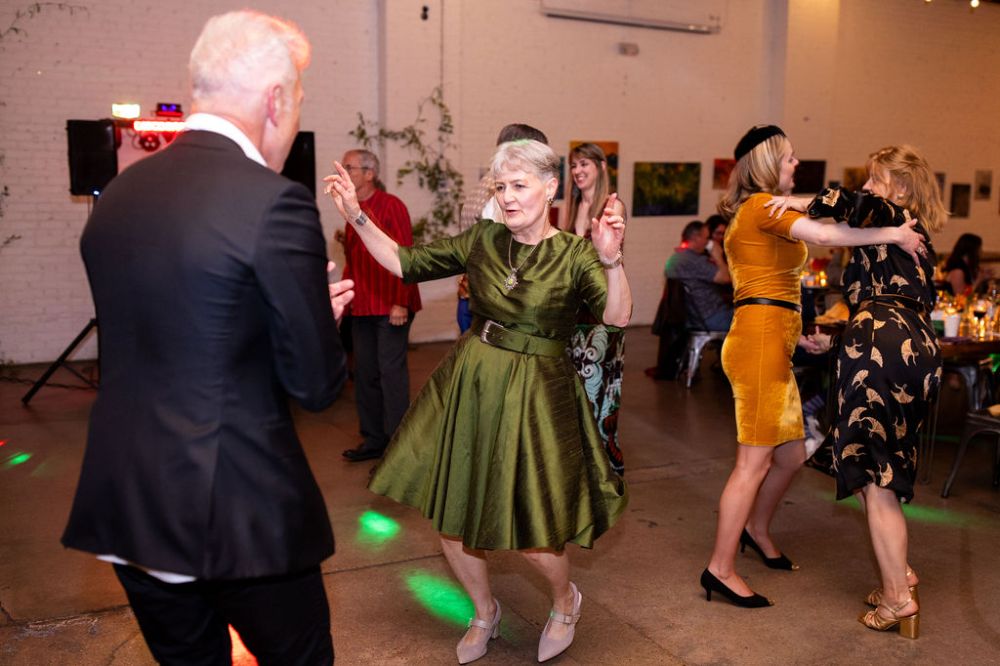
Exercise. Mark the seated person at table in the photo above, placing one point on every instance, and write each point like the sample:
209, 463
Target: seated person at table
962, 270
716, 225
703, 276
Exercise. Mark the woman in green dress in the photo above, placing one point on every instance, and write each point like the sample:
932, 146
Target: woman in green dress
500, 448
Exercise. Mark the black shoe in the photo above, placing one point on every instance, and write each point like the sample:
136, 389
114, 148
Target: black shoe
362, 453
779, 562
713, 584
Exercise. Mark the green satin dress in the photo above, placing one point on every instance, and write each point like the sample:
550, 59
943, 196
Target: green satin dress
500, 448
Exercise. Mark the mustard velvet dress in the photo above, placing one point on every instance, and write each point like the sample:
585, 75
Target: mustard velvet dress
501, 448
765, 262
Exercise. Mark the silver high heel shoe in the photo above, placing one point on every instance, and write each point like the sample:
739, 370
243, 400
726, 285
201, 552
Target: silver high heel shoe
551, 647
471, 651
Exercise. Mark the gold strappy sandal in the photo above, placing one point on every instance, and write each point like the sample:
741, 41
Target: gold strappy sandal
874, 597
909, 625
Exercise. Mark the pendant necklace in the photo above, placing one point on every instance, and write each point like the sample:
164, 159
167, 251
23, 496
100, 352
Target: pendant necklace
510, 283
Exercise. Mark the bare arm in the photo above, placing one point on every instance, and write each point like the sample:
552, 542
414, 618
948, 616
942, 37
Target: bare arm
957, 279
832, 235
607, 235
722, 275
383, 248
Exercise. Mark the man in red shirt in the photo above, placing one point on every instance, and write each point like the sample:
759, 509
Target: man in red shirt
381, 313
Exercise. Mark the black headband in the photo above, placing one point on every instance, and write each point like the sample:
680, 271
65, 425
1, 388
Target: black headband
756, 136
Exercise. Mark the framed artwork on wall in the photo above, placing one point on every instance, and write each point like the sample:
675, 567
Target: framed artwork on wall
721, 168
960, 195
809, 176
666, 188
610, 149
939, 176
983, 189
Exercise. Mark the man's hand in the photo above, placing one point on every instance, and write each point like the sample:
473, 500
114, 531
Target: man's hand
399, 315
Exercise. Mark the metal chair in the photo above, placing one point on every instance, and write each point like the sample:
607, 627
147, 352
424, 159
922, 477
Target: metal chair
976, 423
698, 338
980, 386
697, 341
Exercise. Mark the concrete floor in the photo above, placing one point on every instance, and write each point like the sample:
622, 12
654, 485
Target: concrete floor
393, 601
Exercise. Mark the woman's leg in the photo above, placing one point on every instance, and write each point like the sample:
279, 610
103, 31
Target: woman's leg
787, 461
738, 497
554, 565
469, 566
911, 576
887, 527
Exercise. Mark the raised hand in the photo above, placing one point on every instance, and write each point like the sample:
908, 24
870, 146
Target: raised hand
341, 189
608, 232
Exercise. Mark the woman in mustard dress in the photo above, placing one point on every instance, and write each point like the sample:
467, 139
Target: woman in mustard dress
500, 448
766, 253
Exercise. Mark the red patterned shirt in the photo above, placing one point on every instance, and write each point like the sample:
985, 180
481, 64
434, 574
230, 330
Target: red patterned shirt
376, 290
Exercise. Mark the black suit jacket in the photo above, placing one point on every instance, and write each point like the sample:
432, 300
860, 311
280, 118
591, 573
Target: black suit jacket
208, 273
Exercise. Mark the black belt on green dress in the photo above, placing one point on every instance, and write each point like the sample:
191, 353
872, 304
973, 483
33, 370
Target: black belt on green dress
497, 335
768, 301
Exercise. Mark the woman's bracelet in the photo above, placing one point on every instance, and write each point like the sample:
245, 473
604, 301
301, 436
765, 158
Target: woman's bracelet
614, 263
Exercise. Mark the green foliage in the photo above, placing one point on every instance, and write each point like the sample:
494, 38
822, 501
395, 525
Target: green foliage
428, 163
32, 10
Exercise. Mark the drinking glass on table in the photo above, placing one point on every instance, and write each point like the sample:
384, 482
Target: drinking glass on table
979, 310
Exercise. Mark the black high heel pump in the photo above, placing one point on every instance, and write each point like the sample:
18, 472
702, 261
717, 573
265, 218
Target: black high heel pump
779, 562
713, 584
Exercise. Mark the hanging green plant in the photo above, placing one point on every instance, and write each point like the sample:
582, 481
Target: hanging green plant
428, 163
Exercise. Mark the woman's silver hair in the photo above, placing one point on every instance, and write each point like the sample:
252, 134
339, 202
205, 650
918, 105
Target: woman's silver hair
527, 155
240, 54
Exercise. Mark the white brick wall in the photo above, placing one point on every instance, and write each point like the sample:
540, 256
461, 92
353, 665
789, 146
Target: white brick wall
842, 76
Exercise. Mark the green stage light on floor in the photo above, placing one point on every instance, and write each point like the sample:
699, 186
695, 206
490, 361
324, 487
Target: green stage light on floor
920, 514
16, 459
441, 597
926, 514
376, 529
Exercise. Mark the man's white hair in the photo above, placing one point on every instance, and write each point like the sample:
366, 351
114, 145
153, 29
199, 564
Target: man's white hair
240, 54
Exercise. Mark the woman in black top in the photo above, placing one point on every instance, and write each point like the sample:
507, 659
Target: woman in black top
962, 267
889, 365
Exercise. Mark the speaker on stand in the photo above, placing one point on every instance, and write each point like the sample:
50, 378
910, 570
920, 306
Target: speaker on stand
301, 163
93, 162
93, 155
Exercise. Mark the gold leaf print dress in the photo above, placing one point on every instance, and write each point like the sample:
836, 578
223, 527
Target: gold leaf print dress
889, 365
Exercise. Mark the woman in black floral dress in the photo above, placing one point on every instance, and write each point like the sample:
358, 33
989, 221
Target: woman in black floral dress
889, 366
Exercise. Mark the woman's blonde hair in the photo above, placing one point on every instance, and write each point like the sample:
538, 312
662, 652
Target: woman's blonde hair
757, 171
592, 152
907, 171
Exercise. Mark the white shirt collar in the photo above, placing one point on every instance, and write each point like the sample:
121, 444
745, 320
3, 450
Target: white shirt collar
208, 122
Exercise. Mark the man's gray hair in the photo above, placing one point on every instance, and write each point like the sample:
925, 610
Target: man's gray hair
368, 159
241, 53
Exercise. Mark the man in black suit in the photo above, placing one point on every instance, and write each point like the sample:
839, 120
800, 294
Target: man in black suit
208, 272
